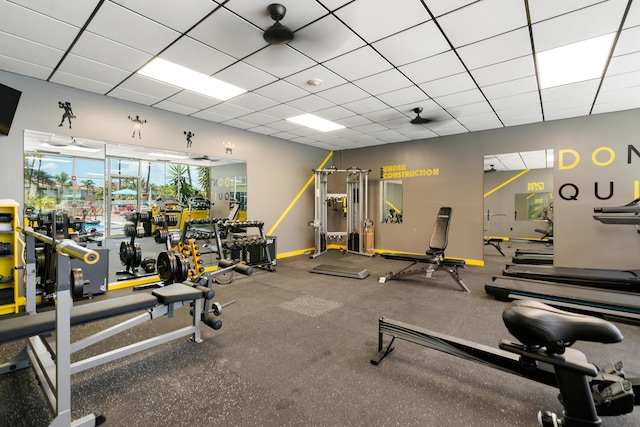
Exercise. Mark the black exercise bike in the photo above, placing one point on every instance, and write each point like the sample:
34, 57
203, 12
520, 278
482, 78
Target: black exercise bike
543, 355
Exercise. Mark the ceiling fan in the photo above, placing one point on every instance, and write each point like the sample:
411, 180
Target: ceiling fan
418, 120
277, 33
491, 169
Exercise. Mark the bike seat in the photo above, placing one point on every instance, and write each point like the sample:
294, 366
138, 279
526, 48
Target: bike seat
536, 324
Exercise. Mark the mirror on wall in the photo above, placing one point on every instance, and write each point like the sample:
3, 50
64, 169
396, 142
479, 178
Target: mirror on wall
518, 201
114, 196
392, 209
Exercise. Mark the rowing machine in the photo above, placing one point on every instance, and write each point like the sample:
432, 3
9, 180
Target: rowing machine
542, 355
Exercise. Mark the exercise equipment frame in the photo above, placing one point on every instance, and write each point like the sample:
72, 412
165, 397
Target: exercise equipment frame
586, 392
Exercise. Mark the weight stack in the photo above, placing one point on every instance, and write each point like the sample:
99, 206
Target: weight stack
354, 242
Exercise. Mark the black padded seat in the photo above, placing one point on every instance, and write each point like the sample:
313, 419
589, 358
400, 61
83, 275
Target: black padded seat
536, 324
22, 327
176, 292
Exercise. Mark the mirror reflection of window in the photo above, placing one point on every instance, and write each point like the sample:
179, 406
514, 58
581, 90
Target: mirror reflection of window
392, 208
533, 206
96, 184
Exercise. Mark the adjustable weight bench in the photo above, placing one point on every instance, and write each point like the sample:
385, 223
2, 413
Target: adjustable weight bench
50, 354
434, 258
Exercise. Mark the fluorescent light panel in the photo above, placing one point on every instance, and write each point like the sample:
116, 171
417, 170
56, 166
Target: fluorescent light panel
70, 148
315, 122
189, 79
575, 62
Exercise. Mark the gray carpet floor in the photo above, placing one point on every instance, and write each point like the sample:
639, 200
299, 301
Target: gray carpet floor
294, 350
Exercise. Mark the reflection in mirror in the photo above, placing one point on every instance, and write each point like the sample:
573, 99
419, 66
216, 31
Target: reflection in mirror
392, 202
533, 206
114, 196
517, 193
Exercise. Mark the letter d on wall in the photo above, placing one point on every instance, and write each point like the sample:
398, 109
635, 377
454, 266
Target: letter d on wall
561, 162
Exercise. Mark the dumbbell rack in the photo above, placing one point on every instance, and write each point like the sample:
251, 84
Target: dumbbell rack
234, 243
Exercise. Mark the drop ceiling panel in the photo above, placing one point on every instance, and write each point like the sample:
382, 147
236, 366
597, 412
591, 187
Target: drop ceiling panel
310, 103
633, 17
375, 19
281, 91
98, 48
511, 87
245, 76
621, 81
521, 111
283, 111
404, 96
360, 63
448, 85
193, 100
131, 29
80, 82
489, 17
343, 94
440, 7
30, 25
522, 100
149, 86
470, 110
418, 42
433, 68
93, 70
198, 56
364, 106
504, 71
617, 100
130, 95
259, 118
541, 10
74, 12
325, 39
281, 61
460, 98
171, 13
628, 41
623, 64
29, 51
496, 49
383, 82
175, 107
327, 79
253, 101
602, 18
229, 33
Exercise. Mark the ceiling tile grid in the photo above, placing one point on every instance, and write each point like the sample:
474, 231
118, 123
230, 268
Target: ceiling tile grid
469, 64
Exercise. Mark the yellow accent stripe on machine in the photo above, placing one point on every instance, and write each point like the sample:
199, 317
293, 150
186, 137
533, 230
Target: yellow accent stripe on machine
295, 200
506, 182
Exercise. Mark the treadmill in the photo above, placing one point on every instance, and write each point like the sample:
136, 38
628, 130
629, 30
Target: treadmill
614, 306
617, 280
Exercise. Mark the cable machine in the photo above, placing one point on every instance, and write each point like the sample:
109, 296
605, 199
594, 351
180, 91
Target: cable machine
353, 206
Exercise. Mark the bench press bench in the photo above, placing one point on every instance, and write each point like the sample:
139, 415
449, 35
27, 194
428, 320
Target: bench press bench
48, 347
22, 327
434, 258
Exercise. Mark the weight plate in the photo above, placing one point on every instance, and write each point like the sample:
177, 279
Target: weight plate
166, 266
77, 283
137, 257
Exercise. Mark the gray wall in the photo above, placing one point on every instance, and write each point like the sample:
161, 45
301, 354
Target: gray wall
276, 169
579, 240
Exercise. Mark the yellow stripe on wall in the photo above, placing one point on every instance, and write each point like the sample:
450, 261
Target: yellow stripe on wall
506, 182
295, 200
